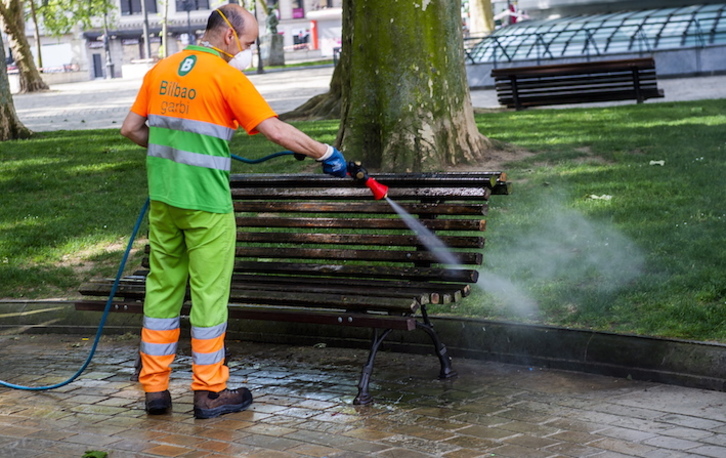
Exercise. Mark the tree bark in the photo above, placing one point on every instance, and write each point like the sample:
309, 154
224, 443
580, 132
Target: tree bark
14, 26
10, 126
406, 104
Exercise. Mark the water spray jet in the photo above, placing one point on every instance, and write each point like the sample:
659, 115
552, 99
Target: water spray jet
427, 238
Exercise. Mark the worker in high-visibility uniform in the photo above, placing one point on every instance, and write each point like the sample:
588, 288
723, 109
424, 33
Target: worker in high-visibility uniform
185, 113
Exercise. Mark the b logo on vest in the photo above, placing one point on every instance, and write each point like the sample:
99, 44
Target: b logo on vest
187, 65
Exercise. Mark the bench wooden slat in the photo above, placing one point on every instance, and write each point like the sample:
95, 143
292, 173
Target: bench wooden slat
329, 300
534, 88
126, 289
581, 92
425, 292
577, 80
461, 194
361, 271
354, 239
360, 223
576, 68
438, 293
358, 255
402, 180
428, 293
136, 288
324, 300
358, 208
563, 99
495, 182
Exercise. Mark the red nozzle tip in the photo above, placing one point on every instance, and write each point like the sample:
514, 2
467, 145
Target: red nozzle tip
379, 191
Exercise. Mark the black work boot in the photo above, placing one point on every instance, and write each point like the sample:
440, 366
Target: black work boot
208, 404
158, 403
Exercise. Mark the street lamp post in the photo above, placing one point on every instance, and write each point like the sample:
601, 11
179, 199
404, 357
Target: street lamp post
145, 30
107, 48
260, 69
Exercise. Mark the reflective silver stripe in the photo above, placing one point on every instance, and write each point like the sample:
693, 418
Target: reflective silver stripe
209, 333
204, 359
154, 349
187, 125
161, 324
189, 158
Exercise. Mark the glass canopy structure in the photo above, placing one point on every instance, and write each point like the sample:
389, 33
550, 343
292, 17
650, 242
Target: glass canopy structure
644, 31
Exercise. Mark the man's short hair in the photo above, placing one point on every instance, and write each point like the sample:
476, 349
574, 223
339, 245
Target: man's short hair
232, 13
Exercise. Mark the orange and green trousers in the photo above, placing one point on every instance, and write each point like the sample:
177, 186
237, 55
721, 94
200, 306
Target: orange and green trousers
196, 248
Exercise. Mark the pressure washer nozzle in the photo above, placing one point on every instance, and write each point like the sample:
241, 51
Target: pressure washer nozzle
380, 191
359, 173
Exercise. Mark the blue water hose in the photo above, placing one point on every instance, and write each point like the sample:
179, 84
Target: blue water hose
262, 159
116, 282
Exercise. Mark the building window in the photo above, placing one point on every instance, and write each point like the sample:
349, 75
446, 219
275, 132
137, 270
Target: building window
298, 9
192, 5
129, 7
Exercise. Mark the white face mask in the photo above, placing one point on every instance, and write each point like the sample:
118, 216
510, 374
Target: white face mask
242, 60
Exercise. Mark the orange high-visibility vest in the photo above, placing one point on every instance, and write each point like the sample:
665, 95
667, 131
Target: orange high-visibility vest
194, 102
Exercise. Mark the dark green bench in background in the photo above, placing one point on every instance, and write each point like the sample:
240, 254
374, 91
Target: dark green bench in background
585, 82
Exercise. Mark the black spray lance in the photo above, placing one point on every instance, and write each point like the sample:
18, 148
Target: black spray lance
360, 174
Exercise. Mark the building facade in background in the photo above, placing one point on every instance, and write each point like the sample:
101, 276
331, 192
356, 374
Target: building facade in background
127, 41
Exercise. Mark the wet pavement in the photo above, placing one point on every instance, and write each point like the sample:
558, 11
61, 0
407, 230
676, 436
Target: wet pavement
303, 408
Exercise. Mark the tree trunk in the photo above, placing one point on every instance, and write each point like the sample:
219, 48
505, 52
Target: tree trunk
14, 23
406, 103
10, 126
482, 17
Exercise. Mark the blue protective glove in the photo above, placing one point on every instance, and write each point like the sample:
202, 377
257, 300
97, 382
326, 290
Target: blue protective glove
334, 163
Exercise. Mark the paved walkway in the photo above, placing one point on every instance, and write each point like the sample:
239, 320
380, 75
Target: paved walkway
303, 408
103, 104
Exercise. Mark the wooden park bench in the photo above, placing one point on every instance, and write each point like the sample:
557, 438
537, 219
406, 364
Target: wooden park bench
613, 80
317, 249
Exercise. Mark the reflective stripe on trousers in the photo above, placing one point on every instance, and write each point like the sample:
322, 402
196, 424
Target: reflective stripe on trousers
208, 369
159, 337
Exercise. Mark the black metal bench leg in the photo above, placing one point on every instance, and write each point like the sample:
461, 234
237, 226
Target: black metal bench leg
137, 368
364, 397
441, 352
515, 93
439, 348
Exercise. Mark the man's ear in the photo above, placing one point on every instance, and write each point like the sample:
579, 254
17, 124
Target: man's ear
228, 36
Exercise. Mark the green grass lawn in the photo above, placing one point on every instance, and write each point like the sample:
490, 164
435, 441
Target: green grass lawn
593, 236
